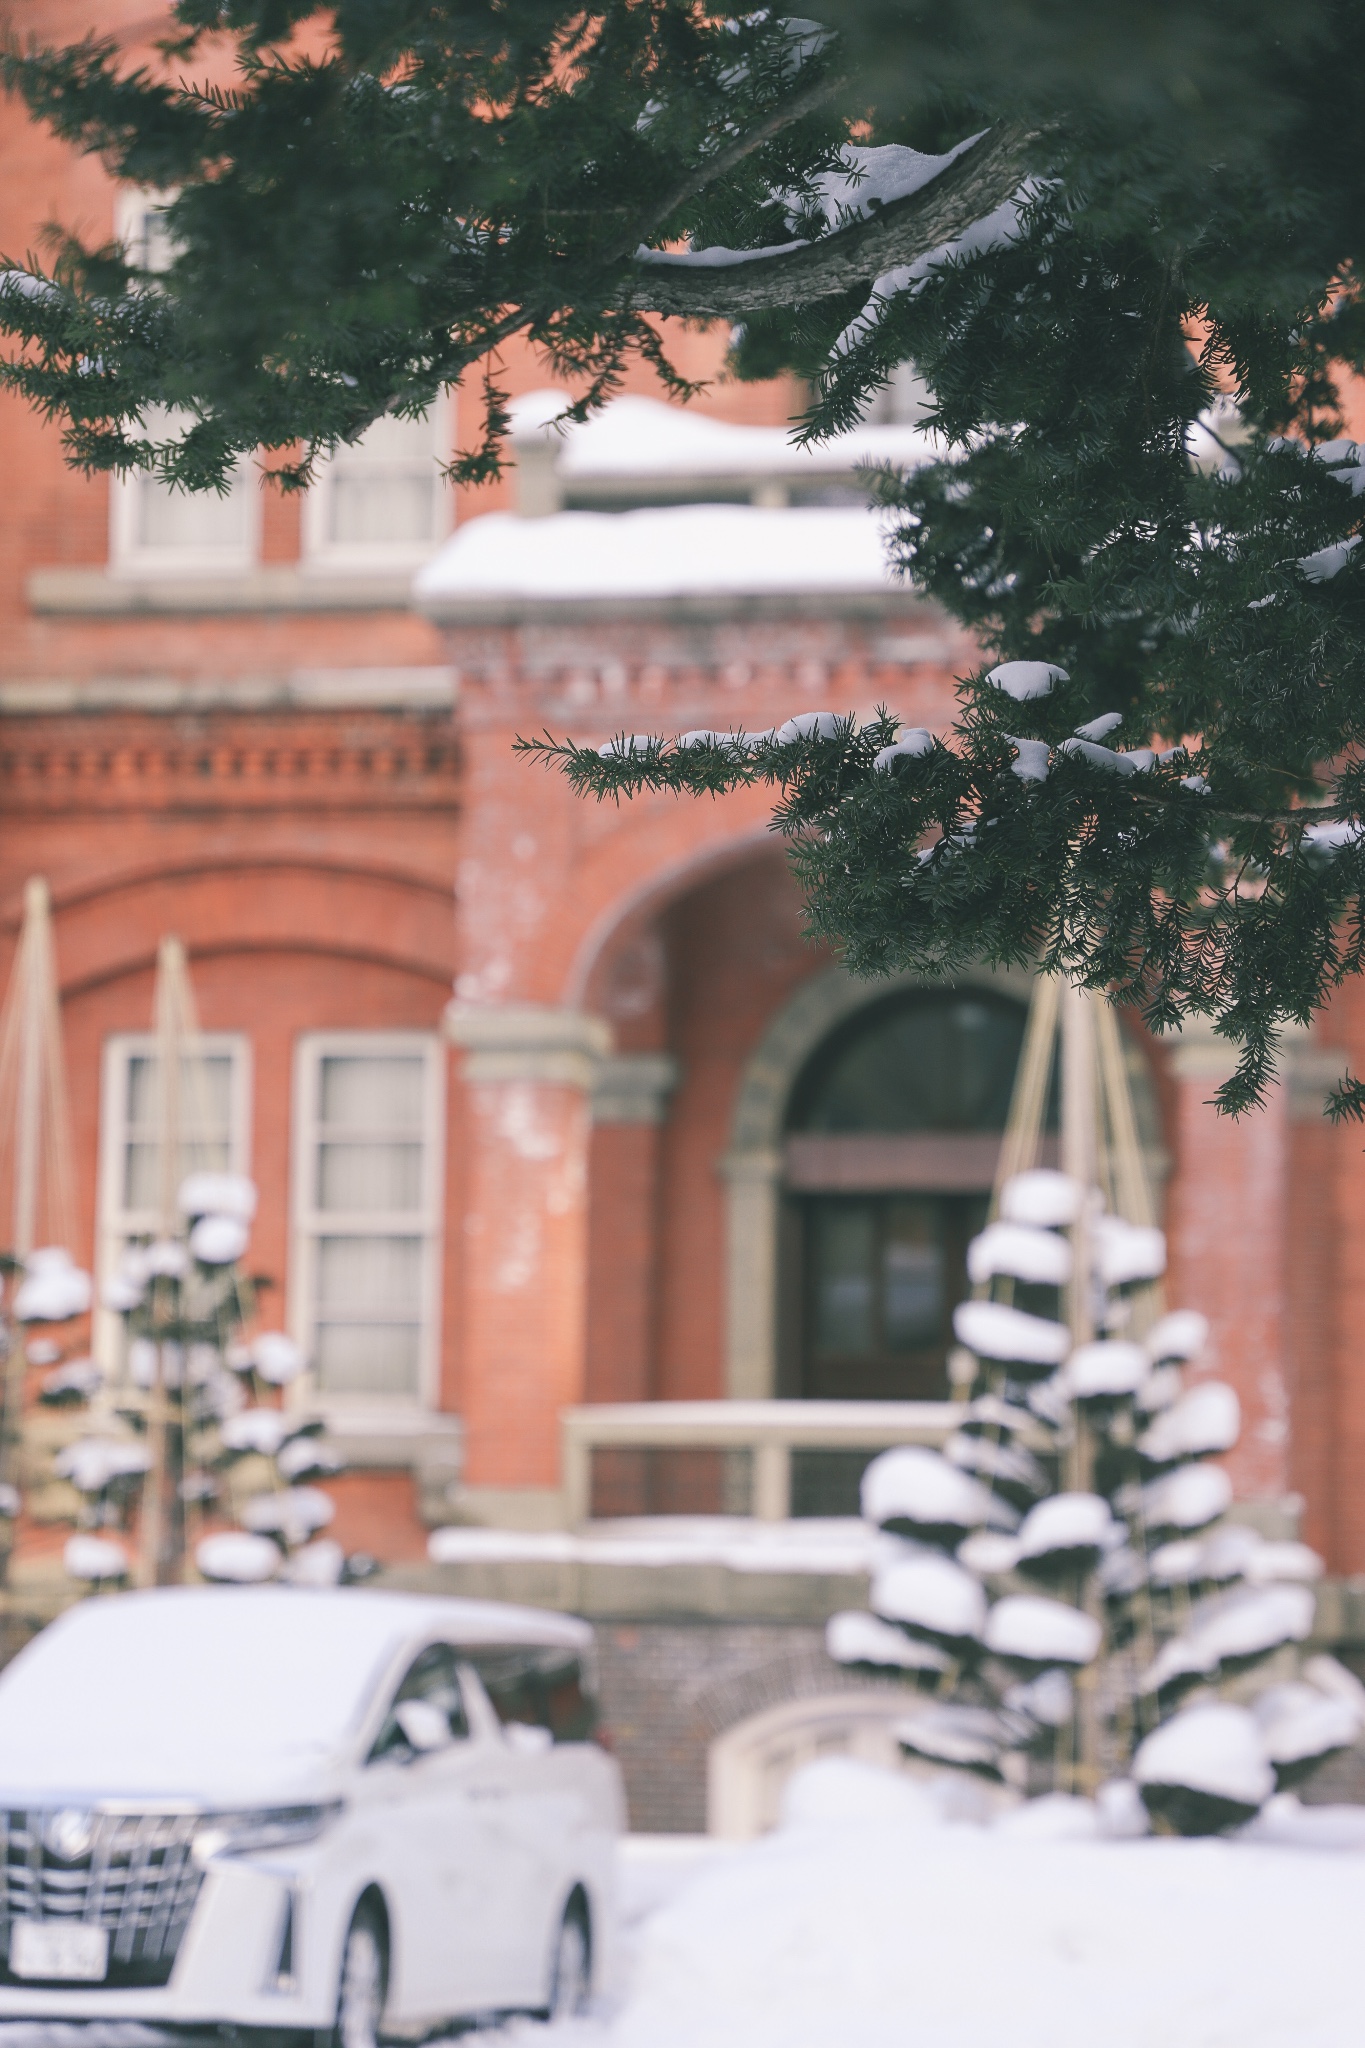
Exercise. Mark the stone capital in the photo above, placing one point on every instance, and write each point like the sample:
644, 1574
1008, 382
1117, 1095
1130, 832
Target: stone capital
527, 1042
633, 1087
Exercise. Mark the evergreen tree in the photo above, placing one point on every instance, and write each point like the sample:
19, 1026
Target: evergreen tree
1060, 1578
1122, 247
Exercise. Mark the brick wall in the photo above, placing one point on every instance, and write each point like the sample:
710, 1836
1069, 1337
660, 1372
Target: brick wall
669, 1688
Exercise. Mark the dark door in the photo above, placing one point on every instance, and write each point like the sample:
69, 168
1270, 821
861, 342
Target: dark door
881, 1276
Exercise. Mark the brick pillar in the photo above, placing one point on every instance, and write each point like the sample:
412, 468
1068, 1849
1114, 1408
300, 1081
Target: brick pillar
1326, 1440
629, 1100
1227, 1236
527, 1069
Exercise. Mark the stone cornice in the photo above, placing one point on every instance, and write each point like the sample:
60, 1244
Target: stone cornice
96, 593
401, 688
697, 607
257, 762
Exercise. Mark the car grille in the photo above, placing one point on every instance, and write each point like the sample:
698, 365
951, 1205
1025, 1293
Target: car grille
137, 1878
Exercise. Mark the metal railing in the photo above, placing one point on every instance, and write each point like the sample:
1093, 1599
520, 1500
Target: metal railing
759, 1458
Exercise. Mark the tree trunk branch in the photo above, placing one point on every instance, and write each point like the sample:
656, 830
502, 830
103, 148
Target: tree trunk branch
970, 187
706, 173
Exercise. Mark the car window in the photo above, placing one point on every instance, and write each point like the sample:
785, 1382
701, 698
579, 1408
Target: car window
432, 1677
540, 1685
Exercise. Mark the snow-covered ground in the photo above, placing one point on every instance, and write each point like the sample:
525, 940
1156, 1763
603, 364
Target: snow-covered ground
868, 1920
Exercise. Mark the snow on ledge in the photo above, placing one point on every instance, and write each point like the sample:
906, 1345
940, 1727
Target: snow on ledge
679, 551
836, 1545
636, 437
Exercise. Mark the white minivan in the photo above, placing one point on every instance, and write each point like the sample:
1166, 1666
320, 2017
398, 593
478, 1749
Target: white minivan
342, 1811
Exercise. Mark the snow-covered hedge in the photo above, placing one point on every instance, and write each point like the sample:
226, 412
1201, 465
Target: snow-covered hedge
1060, 1578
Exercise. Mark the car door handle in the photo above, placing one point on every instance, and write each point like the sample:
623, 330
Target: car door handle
488, 1791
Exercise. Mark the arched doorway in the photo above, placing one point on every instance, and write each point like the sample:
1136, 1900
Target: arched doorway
813, 1065
892, 1132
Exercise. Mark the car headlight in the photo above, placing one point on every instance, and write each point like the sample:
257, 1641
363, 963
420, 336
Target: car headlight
263, 1827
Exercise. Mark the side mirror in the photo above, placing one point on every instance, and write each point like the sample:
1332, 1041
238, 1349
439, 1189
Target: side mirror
425, 1728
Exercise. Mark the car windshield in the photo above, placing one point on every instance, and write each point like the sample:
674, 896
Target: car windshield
188, 1692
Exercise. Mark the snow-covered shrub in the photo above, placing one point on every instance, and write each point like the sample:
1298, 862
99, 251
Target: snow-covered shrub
228, 1449
1061, 1578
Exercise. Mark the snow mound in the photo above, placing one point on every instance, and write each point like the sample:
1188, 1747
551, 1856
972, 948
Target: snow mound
918, 1491
1178, 1564
1049, 1699
1188, 1499
277, 1358
1274, 1563
1215, 1749
1042, 1196
1024, 680
1025, 1629
1021, 1250
1072, 1524
987, 1552
812, 725
1299, 1726
53, 1288
92, 1463
994, 1331
262, 1430
306, 1458
857, 1638
839, 1790
1231, 1631
1105, 1370
1126, 1252
1180, 1335
1003, 1464
865, 1921
1283, 1820
218, 1240
236, 1558
1326, 1675
664, 551
969, 1738
94, 1558
911, 746
933, 1596
1055, 1817
296, 1514
1206, 1420
1033, 759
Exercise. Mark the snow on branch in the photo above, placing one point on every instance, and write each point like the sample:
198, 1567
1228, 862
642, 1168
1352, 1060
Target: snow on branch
726, 284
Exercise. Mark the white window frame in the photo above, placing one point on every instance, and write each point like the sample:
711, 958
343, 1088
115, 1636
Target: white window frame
115, 1223
128, 556
322, 556
309, 1223
132, 205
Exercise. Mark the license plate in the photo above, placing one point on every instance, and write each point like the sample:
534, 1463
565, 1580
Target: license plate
65, 1949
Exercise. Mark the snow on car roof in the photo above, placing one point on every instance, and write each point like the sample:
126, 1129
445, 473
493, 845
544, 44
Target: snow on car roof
222, 1692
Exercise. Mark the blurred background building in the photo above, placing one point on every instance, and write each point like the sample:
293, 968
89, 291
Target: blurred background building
553, 1109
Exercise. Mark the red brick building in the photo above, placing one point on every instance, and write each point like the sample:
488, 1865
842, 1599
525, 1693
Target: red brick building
657, 1147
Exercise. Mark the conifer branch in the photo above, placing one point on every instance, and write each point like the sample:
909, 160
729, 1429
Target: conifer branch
964, 192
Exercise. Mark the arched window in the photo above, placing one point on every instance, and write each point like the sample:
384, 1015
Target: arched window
893, 1133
